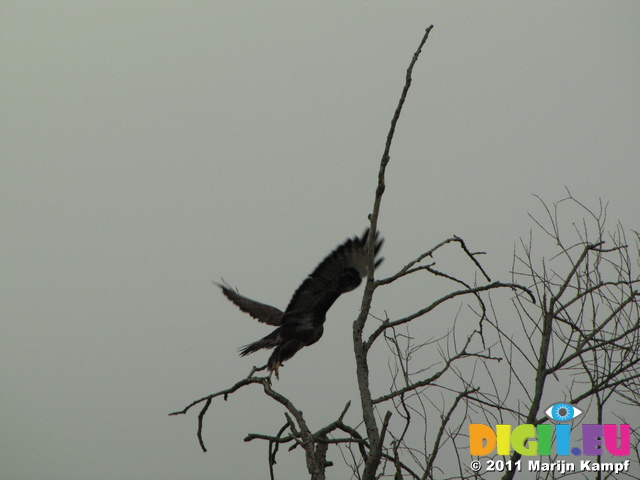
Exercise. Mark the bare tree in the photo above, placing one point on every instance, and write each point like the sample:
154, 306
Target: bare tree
576, 340
585, 330
295, 430
578, 322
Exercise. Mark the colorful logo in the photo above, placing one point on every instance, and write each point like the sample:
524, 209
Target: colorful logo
531, 440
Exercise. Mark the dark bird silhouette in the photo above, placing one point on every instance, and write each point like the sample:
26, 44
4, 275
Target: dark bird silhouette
301, 324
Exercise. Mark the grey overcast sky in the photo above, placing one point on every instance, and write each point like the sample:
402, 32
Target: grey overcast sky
150, 147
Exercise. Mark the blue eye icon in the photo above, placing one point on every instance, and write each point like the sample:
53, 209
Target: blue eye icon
563, 412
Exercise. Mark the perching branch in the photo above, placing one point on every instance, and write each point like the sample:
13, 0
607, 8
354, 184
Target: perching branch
208, 399
314, 444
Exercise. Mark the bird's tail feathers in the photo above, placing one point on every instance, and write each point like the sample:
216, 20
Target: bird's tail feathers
265, 342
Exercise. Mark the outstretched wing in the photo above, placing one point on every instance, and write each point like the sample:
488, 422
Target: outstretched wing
341, 271
260, 311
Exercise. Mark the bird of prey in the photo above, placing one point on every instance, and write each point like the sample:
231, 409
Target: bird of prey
301, 324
